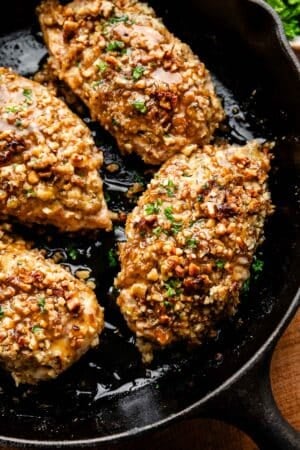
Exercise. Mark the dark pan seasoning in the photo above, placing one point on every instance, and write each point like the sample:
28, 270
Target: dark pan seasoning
96, 388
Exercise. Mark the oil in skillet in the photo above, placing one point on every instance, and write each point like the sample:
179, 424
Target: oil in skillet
100, 374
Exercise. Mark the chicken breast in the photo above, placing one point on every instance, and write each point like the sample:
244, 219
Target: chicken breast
48, 161
141, 83
48, 318
190, 243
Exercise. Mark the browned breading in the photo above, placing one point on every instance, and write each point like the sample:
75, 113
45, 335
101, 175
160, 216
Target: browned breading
190, 243
48, 161
48, 318
141, 83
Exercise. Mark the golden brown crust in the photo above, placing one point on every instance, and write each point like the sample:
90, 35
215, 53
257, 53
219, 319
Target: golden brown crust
190, 242
48, 161
48, 318
141, 83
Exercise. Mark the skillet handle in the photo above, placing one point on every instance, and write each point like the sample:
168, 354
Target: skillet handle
249, 404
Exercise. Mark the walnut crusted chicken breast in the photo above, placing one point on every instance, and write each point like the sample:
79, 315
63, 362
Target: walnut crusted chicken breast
140, 82
48, 161
48, 318
190, 243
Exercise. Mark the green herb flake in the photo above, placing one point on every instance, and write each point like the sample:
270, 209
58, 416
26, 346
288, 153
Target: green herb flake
173, 287
13, 109
153, 208
18, 123
28, 95
112, 258
101, 66
138, 72
191, 243
176, 227
157, 231
42, 304
169, 213
36, 329
95, 84
1, 312
30, 193
246, 287
115, 46
115, 122
170, 188
220, 264
72, 253
200, 198
140, 106
257, 266
289, 12
119, 19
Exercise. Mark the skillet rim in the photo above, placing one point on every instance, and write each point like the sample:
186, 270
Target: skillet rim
257, 356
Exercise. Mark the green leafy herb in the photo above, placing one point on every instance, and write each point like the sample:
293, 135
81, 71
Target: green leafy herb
157, 231
173, 287
42, 303
13, 109
167, 304
170, 188
140, 106
18, 123
1, 312
36, 329
138, 72
220, 263
246, 287
176, 227
119, 19
200, 198
169, 213
30, 193
115, 46
95, 84
112, 258
257, 266
153, 208
289, 12
101, 66
191, 243
28, 95
73, 253
115, 122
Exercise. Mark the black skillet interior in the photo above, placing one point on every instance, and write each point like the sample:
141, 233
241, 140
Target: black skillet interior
109, 391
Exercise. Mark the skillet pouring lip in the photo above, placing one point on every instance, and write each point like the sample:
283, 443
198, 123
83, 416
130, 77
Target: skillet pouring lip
267, 346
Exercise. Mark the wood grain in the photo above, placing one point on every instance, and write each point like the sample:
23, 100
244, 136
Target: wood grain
214, 435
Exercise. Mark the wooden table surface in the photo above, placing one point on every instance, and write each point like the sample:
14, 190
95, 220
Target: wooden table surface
213, 435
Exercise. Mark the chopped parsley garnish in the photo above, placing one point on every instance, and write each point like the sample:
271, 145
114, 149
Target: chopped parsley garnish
220, 263
257, 266
153, 208
112, 258
95, 84
73, 253
115, 46
176, 227
1, 312
119, 19
28, 95
138, 72
18, 123
13, 109
30, 193
101, 66
167, 304
173, 287
169, 213
170, 188
200, 198
289, 12
36, 329
140, 106
42, 303
246, 286
157, 231
191, 243
115, 122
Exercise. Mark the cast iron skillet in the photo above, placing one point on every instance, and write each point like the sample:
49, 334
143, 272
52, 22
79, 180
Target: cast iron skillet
109, 396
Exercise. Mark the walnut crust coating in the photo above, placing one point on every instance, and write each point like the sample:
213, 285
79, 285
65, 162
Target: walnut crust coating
141, 83
48, 318
48, 161
190, 243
